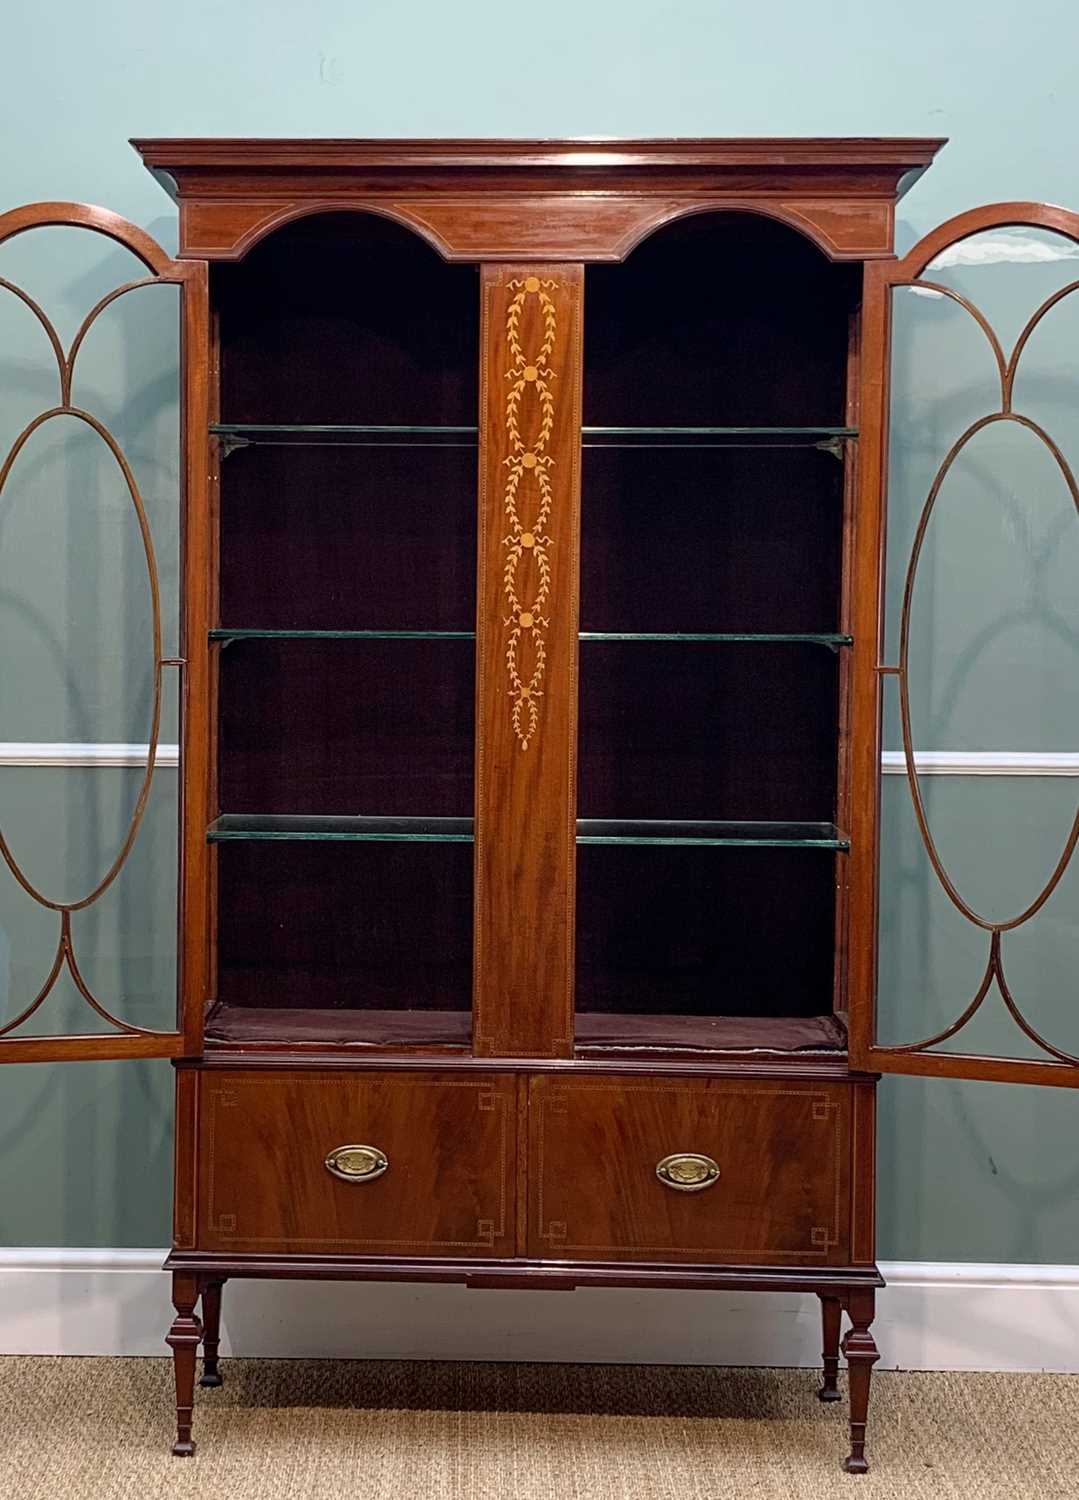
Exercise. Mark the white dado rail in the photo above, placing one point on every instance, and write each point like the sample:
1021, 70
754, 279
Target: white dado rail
930, 762
984, 763
69, 753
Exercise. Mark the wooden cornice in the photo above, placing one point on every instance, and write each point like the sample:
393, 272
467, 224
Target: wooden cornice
518, 199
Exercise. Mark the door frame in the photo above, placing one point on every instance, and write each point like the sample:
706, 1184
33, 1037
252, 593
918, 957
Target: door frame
126, 1040
868, 671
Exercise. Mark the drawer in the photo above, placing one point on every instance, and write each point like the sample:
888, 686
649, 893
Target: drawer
781, 1196
438, 1180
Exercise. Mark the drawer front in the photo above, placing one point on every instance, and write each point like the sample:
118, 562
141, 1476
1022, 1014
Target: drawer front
781, 1194
437, 1180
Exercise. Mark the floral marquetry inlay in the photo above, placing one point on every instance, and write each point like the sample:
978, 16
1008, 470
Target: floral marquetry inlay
526, 574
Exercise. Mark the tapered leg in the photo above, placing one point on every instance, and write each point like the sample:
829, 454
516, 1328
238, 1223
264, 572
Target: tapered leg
861, 1355
211, 1332
831, 1309
183, 1339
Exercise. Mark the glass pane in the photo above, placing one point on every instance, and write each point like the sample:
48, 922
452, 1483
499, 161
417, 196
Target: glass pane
66, 270
932, 960
943, 379
1007, 272
711, 632
983, 545
78, 689
347, 643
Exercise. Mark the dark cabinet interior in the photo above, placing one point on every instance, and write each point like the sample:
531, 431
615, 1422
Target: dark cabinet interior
715, 454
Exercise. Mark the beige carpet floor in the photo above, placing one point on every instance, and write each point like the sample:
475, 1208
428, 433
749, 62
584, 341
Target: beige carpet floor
334, 1430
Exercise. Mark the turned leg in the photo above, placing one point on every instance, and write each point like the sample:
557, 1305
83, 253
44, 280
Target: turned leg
211, 1332
183, 1339
831, 1309
861, 1355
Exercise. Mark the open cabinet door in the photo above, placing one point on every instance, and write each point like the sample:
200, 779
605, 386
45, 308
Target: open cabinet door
103, 532
964, 955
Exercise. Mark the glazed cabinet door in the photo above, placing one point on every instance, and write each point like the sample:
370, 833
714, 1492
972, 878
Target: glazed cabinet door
964, 935
103, 526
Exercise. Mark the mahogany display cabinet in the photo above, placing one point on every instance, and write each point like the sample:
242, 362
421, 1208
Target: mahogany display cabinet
534, 648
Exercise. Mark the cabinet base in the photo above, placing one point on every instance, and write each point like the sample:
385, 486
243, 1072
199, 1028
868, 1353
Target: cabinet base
851, 1289
522, 1274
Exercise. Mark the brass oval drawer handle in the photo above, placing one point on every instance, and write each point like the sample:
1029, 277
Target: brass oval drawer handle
357, 1163
687, 1172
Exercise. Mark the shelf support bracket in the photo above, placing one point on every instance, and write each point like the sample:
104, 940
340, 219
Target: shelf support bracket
230, 442
833, 445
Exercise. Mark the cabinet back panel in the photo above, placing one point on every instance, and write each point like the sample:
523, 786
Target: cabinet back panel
707, 730
705, 931
347, 318
349, 538
345, 926
719, 319
373, 728
711, 539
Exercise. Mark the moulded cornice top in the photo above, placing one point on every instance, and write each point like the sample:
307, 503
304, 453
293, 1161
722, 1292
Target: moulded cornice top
590, 199
849, 158
581, 150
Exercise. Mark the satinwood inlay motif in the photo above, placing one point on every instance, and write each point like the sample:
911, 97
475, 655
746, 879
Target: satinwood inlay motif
526, 576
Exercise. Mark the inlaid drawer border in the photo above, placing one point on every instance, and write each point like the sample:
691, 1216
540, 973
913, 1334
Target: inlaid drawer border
555, 1100
487, 1230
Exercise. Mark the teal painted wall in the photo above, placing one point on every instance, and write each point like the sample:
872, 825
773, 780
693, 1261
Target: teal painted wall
968, 1172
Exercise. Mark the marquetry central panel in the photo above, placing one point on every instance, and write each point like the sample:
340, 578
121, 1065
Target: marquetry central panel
526, 659
529, 496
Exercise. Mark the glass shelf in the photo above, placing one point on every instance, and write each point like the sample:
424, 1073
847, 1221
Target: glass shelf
242, 435
222, 633
825, 438
332, 435
711, 834
758, 639
270, 826
248, 826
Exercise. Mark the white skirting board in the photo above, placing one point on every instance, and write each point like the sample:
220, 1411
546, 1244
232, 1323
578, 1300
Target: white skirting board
932, 1316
